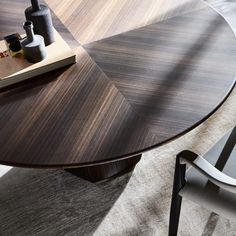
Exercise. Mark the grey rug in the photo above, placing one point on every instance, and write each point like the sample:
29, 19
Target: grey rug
48, 203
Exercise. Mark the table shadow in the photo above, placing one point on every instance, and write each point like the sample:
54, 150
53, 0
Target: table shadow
54, 202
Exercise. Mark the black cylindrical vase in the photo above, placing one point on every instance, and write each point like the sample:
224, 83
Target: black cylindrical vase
41, 17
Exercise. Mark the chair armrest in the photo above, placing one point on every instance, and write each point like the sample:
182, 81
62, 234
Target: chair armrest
208, 170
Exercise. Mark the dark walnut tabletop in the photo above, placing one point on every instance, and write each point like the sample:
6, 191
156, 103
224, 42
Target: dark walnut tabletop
146, 73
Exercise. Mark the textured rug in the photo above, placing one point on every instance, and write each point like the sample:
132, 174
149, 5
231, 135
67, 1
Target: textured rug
48, 203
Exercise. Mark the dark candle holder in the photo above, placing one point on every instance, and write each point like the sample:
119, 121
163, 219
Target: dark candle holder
41, 17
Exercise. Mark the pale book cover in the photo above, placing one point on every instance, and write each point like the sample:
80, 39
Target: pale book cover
16, 69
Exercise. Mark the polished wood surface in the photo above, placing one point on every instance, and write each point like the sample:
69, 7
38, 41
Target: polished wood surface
163, 68
99, 172
126, 94
90, 20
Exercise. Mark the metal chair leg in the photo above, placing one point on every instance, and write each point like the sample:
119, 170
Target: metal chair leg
179, 181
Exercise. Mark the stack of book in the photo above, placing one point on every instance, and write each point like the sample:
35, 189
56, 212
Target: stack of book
16, 69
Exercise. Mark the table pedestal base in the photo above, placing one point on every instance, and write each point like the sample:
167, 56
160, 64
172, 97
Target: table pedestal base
104, 171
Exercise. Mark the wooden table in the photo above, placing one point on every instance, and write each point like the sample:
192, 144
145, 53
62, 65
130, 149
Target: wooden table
128, 93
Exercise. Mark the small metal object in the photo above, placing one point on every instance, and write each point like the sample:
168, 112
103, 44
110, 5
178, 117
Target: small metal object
13, 44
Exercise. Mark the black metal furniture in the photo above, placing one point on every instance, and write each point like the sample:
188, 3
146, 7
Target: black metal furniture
210, 181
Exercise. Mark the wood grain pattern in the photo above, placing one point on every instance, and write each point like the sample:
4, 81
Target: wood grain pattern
125, 95
75, 116
163, 66
104, 171
90, 20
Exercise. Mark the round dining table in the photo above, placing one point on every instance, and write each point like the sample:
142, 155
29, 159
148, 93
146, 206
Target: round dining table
147, 72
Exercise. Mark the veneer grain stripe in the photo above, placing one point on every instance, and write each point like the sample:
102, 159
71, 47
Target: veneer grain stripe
90, 20
127, 93
157, 69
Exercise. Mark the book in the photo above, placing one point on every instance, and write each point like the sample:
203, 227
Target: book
16, 69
